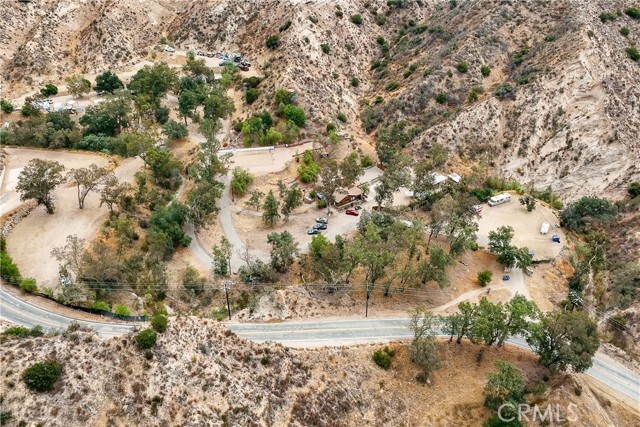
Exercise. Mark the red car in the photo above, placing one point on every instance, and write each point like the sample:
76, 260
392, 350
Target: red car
352, 212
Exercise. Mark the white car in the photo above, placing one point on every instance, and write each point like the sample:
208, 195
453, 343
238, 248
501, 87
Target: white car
169, 49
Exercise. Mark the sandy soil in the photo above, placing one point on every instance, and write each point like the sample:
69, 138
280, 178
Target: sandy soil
526, 226
31, 241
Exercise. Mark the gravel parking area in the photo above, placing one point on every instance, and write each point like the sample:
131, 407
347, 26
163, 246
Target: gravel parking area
526, 226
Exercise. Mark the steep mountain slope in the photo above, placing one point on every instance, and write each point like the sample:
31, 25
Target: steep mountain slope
200, 375
64, 36
568, 116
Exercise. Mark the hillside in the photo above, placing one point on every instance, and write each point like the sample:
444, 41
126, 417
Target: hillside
569, 122
199, 374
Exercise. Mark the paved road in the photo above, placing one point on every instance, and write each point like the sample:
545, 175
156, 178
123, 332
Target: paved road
25, 314
331, 333
302, 334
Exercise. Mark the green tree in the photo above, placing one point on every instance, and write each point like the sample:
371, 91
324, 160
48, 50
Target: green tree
187, 103
42, 376
222, 257
529, 202
577, 215
272, 42
458, 325
292, 200
240, 181
108, 82
192, 281
270, 207
159, 322
295, 114
154, 81
122, 310
506, 253
634, 189
113, 192
565, 339
350, 170
485, 70
134, 143
165, 168
196, 67
357, 19
87, 180
434, 269
309, 171
505, 386
284, 249
108, 118
38, 180
396, 175
6, 106
202, 203
255, 201
146, 339
423, 350
174, 130
383, 357
78, 85
484, 277
251, 95
165, 229
327, 259
48, 90
217, 105
284, 97
518, 315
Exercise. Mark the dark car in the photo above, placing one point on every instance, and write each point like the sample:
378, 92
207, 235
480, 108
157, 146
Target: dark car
352, 212
313, 231
320, 226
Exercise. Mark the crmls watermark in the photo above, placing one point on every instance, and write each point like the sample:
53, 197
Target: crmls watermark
551, 414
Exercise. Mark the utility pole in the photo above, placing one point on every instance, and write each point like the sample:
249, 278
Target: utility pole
227, 285
366, 304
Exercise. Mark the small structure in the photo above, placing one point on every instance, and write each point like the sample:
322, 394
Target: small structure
343, 198
437, 178
454, 177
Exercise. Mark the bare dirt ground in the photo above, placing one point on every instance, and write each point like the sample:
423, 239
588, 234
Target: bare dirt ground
31, 241
18, 158
526, 226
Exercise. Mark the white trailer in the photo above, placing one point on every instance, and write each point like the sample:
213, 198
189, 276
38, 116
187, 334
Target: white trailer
499, 199
544, 229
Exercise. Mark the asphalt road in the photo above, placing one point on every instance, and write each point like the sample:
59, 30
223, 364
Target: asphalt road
302, 334
331, 333
25, 314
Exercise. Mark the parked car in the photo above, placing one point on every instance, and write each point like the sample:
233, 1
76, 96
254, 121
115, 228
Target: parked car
476, 209
313, 231
169, 49
358, 207
320, 226
322, 220
352, 212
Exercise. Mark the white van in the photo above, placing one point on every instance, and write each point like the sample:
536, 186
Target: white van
499, 199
